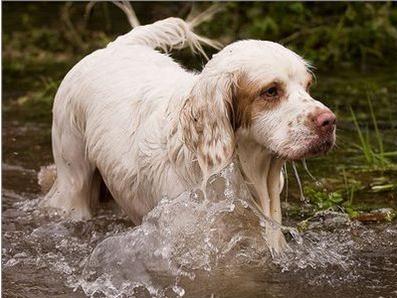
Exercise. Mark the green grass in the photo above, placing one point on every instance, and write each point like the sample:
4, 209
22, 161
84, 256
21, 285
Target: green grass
323, 199
374, 155
339, 196
350, 188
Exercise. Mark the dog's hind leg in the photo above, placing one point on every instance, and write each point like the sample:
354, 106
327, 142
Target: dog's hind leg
75, 188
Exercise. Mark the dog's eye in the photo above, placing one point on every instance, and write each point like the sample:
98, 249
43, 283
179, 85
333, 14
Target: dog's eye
270, 92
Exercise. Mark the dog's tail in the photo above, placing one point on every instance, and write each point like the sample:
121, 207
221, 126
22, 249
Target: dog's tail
171, 33
46, 177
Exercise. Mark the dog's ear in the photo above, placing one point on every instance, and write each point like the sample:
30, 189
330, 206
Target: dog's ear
207, 122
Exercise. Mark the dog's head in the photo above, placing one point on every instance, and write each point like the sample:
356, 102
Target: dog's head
261, 89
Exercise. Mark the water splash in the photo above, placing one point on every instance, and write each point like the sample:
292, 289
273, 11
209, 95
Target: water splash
193, 237
180, 238
215, 240
298, 181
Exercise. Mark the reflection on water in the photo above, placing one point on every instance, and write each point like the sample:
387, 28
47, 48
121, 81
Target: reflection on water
190, 246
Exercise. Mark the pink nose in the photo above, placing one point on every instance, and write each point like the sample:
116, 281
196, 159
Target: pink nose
325, 120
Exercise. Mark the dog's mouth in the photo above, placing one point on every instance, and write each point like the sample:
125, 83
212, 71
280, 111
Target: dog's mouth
312, 148
320, 148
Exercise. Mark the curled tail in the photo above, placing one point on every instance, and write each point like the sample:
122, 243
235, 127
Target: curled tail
46, 177
168, 34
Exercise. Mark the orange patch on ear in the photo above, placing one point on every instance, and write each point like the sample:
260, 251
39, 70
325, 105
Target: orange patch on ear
206, 120
309, 82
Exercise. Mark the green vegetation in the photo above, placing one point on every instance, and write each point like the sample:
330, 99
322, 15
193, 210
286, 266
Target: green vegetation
325, 33
323, 199
375, 157
338, 197
51, 37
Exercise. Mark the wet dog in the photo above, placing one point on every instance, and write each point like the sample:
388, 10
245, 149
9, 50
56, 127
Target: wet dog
135, 118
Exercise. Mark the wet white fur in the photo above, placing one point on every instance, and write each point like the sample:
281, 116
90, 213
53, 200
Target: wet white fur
129, 112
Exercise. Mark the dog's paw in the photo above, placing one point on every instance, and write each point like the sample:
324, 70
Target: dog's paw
75, 208
276, 242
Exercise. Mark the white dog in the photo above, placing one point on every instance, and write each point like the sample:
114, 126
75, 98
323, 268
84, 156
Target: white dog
133, 117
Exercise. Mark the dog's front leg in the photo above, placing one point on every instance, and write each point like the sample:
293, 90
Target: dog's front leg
263, 173
275, 183
269, 187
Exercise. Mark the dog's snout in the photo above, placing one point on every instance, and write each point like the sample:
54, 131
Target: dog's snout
325, 120
322, 121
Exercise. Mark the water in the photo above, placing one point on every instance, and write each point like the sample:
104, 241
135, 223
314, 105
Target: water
191, 246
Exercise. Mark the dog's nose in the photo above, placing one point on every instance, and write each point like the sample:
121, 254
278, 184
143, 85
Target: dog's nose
325, 120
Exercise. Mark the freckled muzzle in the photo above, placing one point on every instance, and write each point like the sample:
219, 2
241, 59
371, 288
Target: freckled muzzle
323, 123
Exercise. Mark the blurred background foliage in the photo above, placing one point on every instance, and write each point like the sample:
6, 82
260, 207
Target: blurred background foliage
41, 41
327, 34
